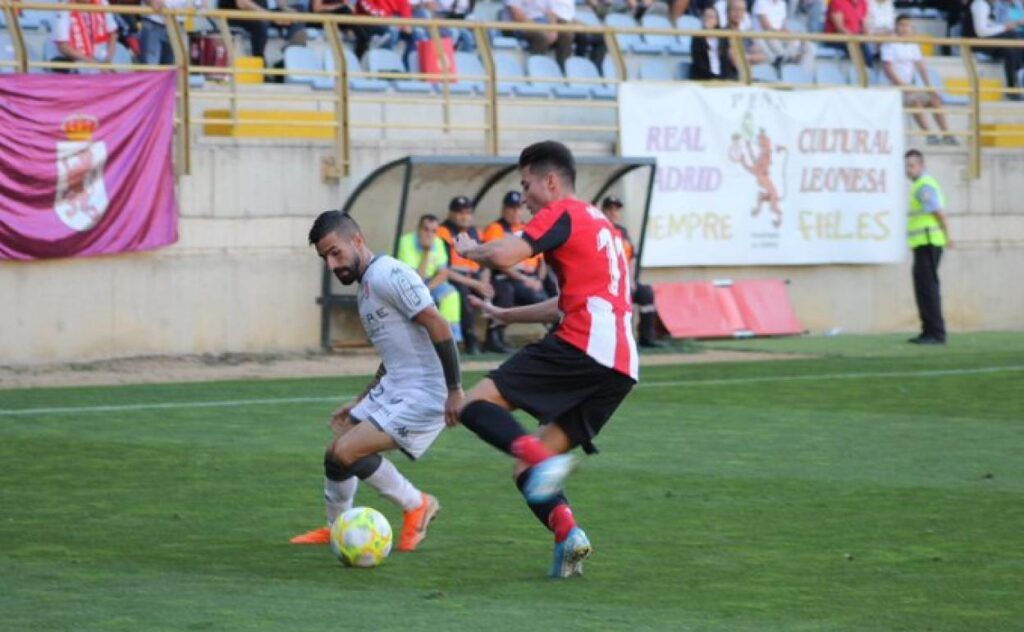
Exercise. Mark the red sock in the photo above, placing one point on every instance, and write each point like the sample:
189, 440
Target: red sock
530, 450
561, 522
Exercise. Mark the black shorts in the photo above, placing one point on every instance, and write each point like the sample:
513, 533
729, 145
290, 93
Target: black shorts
557, 383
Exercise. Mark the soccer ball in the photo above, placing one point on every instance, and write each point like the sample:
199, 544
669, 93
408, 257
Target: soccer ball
361, 537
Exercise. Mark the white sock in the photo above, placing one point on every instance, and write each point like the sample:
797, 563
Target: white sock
339, 496
392, 485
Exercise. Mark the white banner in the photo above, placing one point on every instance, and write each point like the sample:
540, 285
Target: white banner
757, 176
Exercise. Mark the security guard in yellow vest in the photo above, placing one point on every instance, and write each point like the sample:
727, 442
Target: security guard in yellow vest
424, 251
927, 235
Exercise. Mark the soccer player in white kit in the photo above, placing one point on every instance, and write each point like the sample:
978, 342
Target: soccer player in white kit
406, 404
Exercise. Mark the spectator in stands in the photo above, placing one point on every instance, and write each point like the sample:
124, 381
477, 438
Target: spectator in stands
722, 8
643, 295
520, 284
465, 274
462, 39
156, 47
542, 12
592, 46
901, 62
86, 37
257, 29
1010, 11
846, 17
425, 252
881, 18
376, 8
980, 22
712, 59
739, 20
771, 16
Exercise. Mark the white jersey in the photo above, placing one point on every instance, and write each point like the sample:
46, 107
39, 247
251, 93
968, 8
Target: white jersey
390, 295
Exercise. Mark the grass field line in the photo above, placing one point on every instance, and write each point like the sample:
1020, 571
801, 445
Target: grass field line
655, 384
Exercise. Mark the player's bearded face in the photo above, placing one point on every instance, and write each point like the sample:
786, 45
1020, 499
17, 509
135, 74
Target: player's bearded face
349, 273
342, 257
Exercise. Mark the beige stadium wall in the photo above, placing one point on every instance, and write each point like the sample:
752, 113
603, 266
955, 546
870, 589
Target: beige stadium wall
242, 279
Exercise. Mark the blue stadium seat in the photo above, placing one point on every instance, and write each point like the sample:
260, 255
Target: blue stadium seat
585, 16
796, 74
631, 42
666, 43
583, 68
690, 23
196, 81
507, 66
544, 67
298, 58
763, 73
656, 70
32, 20
387, 60
6, 53
468, 64
358, 84
829, 74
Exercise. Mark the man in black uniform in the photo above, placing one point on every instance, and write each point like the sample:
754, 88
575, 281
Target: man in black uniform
643, 295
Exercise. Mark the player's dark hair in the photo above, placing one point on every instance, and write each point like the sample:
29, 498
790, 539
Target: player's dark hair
333, 222
550, 155
426, 217
913, 153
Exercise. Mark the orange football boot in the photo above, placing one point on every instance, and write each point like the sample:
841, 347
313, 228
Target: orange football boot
414, 526
316, 536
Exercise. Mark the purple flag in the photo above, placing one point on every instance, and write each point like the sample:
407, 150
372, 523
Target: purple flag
86, 164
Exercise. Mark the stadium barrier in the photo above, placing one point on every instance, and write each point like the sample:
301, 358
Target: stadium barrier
340, 96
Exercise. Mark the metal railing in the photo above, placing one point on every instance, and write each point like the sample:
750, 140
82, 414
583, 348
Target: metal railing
341, 97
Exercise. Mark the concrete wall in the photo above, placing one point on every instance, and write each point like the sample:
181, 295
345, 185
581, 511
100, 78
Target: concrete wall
242, 279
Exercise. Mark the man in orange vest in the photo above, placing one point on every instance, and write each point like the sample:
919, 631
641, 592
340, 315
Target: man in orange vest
520, 284
465, 274
643, 295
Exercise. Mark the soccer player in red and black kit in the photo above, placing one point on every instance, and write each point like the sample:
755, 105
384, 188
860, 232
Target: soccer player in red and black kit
574, 379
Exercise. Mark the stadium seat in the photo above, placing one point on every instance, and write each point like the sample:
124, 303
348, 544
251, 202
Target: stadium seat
655, 70
763, 73
665, 43
6, 53
32, 20
830, 74
386, 60
297, 58
796, 25
468, 64
609, 69
196, 81
454, 87
357, 84
587, 17
796, 74
506, 66
583, 68
542, 66
689, 23
631, 42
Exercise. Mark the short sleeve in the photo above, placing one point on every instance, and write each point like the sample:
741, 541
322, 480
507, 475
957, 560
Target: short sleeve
549, 229
888, 52
62, 29
929, 199
760, 7
405, 291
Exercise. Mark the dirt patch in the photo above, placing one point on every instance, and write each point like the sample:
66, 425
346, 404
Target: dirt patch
204, 368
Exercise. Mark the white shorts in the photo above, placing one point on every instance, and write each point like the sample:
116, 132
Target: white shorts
413, 424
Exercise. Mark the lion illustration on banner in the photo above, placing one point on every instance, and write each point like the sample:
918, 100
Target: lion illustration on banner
754, 152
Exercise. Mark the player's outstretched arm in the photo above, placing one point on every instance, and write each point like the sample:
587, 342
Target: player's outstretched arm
500, 253
543, 312
444, 344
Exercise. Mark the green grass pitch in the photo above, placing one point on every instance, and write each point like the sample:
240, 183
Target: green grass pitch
874, 487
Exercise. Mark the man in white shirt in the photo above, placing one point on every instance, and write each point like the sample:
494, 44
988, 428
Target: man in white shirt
156, 47
86, 37
901, 63
543, 12
980, 22
771, 17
